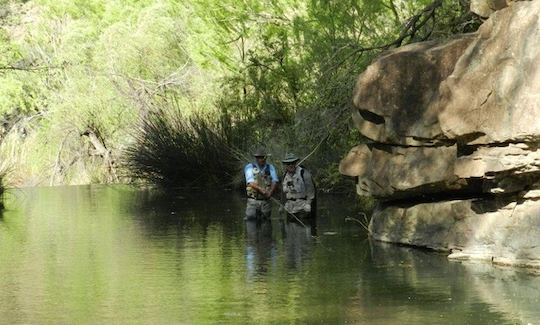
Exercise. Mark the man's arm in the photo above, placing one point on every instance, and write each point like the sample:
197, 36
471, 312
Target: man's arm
275, 180
258, 188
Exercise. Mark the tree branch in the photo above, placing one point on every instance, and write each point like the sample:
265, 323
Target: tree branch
27, 69
392, 7
412, 26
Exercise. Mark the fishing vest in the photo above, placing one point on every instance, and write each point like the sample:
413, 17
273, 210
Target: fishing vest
294, 186
262, 179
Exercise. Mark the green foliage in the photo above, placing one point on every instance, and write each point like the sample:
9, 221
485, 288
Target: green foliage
297, 69
278, 72
9, 51
91, 67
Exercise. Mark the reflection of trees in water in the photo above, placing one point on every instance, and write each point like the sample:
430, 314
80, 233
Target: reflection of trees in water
198, 230
192, 212
390, 284
422, 286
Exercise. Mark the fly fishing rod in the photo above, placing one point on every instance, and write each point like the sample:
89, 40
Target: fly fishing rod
292, 214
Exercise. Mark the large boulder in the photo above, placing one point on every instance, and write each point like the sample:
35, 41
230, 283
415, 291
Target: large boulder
392, 172
397, 106
454, 134
494, 89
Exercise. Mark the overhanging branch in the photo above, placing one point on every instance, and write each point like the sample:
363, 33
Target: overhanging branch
27, 69
411, 28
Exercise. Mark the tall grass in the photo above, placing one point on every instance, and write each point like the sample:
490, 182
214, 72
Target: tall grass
171, 150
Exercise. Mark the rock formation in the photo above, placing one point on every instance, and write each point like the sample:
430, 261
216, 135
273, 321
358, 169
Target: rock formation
484, 8
453, 134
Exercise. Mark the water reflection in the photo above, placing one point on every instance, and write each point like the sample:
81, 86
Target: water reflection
422, 285
512, 293
260, 247
182, 212
299, 237
121, 255
265, 238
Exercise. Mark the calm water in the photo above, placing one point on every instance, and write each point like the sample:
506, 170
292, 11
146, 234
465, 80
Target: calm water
101, 255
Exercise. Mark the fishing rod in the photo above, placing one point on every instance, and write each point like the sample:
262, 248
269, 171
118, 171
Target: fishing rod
292, 214
315, 149
297, 219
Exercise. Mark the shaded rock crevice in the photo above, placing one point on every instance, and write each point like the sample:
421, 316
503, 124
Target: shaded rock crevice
473, 190
371, 117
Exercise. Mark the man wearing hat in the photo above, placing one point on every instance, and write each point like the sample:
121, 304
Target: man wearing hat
261, 182
298, 187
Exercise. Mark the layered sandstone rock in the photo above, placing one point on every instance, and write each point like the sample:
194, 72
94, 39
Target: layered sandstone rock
454, 134
484, 8
395, 96
494, 90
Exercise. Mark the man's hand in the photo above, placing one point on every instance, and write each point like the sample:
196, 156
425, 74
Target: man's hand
256, 188
263, 191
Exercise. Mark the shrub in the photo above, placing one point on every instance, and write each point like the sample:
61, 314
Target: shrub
171, 150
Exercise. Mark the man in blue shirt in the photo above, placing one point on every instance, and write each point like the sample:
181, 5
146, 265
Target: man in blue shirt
261, 183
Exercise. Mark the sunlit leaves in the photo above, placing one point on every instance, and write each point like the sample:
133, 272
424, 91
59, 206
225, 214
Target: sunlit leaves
279, 72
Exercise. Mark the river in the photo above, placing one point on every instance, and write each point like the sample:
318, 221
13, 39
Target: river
123, 255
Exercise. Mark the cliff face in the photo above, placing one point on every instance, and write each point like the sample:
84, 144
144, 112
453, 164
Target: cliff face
454, 132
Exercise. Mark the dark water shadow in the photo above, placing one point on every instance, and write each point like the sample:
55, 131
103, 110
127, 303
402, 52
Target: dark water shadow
181, 211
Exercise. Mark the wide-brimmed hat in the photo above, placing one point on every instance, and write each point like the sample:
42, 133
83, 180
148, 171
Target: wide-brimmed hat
290, 158
260, 152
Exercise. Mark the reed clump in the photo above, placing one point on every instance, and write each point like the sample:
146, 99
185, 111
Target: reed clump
171, 150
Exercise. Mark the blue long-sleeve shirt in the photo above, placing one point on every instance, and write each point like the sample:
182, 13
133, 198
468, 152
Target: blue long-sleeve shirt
250, 177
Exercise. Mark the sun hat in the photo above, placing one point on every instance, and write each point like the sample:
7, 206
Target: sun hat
290, 158
260, 152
